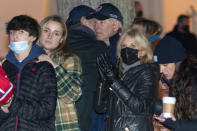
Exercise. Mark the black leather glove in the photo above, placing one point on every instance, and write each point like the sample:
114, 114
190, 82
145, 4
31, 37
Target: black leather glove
169, 123
110, 74
105, 83
106, 68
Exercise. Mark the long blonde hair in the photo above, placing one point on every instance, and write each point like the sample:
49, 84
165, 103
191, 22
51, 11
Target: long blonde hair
140, 40
149, 27
63, 46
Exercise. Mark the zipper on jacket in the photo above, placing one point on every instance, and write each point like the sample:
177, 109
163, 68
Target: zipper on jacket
18, 89
99, 97
117, 96
121, 78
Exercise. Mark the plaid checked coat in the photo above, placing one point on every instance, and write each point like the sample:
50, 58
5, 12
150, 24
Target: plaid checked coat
69, 81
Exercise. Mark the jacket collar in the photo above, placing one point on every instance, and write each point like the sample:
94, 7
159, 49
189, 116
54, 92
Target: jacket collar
34, 53
127, 67
114, 39
112, 47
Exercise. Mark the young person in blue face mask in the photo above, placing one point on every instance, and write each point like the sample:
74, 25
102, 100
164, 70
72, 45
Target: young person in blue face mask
33, 104
131, 93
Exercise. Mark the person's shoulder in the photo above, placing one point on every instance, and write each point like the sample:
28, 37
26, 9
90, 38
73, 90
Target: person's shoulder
43, 65
72, 59
7, 65
143, 70
72, 62
169, 33
192, 34
101, 45
100, 42
153, 65
5, 62
150, 67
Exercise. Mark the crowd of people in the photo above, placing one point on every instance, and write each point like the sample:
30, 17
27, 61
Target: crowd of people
86, 74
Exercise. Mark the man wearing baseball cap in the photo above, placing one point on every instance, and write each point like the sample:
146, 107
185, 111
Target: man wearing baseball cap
108, 26
106, 11
82, 40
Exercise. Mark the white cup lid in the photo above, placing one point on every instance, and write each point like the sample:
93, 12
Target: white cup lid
171, 100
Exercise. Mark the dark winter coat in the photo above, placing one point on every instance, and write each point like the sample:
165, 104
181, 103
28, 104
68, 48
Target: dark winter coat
133, 113
188, 39
82, 40
34, 102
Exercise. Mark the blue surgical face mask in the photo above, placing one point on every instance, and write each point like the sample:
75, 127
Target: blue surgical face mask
19, 47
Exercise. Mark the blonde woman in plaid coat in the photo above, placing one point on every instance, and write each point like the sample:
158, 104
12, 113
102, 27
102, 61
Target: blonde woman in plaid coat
68, 71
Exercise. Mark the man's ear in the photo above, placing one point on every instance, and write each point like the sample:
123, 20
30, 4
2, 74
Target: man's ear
116, 25
83, 20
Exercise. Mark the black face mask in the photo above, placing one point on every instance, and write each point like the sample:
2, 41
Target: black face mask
129, 55
186, 28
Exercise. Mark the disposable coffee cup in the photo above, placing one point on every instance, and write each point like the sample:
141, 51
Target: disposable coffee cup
168, 106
